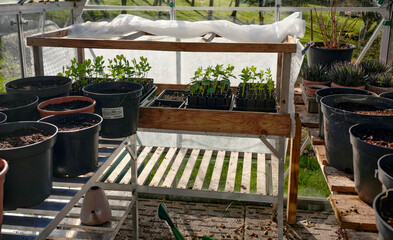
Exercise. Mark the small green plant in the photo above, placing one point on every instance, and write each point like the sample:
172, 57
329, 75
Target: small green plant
315, 73
246, 75
375, 66
260, 81
141, 68
346, 74
381, 79
269, 82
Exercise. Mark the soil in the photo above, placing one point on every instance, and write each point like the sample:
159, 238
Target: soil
37, 85
379, 137
13, 104
174, 97
67, 106
385, 112
363, 108
74, 123
23, 137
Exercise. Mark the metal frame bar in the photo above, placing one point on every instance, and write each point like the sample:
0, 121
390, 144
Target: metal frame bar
22, 49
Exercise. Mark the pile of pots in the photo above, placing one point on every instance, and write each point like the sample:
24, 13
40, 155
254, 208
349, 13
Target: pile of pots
68, 129
358, 132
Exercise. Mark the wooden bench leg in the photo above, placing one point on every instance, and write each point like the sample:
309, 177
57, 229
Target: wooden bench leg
293, 180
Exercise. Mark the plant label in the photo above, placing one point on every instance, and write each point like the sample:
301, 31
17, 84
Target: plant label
112, 113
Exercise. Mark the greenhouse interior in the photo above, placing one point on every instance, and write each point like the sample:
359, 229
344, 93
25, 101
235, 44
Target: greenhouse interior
196, 119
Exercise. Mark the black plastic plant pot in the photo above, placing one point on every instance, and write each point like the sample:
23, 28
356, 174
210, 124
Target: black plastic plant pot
333, 91
76, 150
366, 156
45, 87
29, 178
3, 118
318, 55
220, 102
19, 107
387, 95
338, 121
385, 171
118, 104
383, 208
180, 95
147, 85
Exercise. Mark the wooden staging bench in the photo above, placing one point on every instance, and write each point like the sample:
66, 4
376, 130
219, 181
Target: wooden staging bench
264, 126
352, 213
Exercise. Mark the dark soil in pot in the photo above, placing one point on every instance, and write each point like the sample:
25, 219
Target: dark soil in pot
19, 107
66, 106
383, 208
379, 137
29, 179
76, 149
22, 137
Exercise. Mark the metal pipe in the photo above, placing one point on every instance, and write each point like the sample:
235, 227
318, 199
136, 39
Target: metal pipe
21, 45
370, 42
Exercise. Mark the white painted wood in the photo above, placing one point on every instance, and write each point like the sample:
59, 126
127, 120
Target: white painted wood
141, 158
215, 180
246, 173
150, 165
188, 169
163, 167
200, 178
275, 175
261, 174
175, 168
231, 176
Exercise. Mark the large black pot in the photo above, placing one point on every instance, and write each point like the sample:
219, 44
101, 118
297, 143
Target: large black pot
118, 104
333, 91
337, 123
76, 151
318, 55
387, 95
45, 87
383, 204
3, 117
19, 107
385, 171
366, 156
29, 179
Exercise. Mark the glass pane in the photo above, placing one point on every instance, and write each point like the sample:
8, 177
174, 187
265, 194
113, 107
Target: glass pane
129, 3
31, 25
326, 3
58, 19
9, 51
238, 17
109, 15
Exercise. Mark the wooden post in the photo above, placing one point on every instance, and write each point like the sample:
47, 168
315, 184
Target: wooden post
81, 54
293, 178
38, 61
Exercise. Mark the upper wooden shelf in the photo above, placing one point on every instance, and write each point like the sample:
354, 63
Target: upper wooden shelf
59, 38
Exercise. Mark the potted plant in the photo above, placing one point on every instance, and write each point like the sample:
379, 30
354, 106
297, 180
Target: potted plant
342, 111
118, 104
76, 150
369, 143
27, 146
64, 105
346, 75
380, 82
334, 33
256, 91
313, 76
210, 88
383, 208
45, 87
19, 107
3, 171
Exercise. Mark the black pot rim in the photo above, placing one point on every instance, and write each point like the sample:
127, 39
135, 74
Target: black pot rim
376, 210
36, 98
3, 115
369, 126
22, 123
383, 158
138, 86
340, 111
42, 78
70, 114
319, 44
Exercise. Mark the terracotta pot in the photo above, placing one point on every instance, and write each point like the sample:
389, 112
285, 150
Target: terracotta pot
307, 82
4, 165
95, 208
311, 89
379, 90
335, 85
45, 113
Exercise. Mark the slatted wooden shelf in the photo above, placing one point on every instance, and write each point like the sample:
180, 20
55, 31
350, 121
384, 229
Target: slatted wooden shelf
27, 223
313, 133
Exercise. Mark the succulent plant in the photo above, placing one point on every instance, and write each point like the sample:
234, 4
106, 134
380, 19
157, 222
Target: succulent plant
346, 74
384, 79
375, 66
315, 73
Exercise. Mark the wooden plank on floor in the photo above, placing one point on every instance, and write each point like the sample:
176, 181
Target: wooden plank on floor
188, 169
150, 165
231, 176
308, 119
320, 152
353, 213
261, 174
163, 167
74, 234
200, 178
216, 175
313, 133
141, 158
119, 168
175, 168
246, 173
339, 181
355, 235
